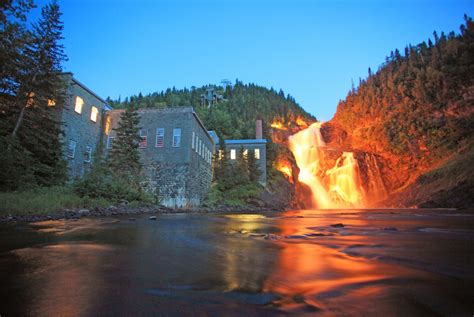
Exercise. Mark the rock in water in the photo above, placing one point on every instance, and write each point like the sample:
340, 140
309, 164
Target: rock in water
152, 218
337, 225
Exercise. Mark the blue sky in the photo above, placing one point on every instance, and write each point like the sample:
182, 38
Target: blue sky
310, 49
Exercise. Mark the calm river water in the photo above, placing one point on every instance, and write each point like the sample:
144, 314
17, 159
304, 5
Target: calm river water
379, 263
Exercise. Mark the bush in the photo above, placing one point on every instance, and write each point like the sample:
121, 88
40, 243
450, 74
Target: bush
101, 183
46, 200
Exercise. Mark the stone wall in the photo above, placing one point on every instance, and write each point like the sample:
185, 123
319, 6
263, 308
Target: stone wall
178, 176
79, 127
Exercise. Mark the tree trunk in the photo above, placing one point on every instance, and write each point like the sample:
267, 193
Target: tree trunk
19, 121
22, 112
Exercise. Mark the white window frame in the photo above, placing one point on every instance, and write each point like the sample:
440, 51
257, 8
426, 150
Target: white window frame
88, 154
176, 137
94, 114
160, 133
192, 143
233, 154
110, 140
71, 147
78, 105
143, 136
257, 153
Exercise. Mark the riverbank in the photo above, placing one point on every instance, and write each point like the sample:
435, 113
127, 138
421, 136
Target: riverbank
61, 202
126, 209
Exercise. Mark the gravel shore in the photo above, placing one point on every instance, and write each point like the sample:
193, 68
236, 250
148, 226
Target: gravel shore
125, 209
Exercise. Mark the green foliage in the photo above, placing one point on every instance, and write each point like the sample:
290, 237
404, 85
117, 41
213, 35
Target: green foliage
115, 182
418, 104
29, 77
124, 157
45, 200
253, 170
232, 118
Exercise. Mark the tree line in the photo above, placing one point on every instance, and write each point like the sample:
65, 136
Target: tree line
417, 107
31, 54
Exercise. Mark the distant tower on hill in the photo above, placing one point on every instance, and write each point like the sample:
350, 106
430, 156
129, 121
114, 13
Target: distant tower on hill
210, 97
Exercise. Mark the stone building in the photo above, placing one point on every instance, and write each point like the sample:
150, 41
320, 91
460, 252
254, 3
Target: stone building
176, 152
256, 146
82, 123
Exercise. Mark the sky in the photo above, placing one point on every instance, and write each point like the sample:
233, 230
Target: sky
313, 50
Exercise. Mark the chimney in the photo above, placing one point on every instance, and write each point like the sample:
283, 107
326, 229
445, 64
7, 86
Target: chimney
258, 129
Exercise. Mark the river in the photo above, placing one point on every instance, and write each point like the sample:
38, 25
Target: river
308, 262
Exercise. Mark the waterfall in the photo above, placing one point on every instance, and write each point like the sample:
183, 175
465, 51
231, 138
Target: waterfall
339, 186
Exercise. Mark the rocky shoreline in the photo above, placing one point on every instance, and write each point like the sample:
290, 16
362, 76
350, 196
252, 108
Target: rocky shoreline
125, 209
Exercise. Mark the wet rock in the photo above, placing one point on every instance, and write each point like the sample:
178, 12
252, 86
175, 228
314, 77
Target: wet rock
337, 225
390, 229
83, 212
152, 218
132, 219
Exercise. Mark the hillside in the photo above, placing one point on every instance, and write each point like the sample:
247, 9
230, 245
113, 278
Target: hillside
417, 113
233, 116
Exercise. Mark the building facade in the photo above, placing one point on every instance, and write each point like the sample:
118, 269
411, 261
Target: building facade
176, 153
257, 146
82, 122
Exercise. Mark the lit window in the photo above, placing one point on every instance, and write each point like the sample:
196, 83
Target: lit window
88, 154
71, 149
160, 137
110, 140
257, 154
246, 152
143, 139
221, 154
51, 103
176, 137
232, 154
78, 105
192, 143
94, 114
107, 126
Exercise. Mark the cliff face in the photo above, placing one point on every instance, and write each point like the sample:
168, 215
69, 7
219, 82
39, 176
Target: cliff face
416, 115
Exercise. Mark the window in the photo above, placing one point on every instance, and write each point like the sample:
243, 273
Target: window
71, 149
199, 148
51, 103
257, 154
160, 137
176, 137
88, 154
110, 140
232, 154
78, 105
196, 144
192, 143
107, 126
94, 114
143, 138
246, 152
221, 154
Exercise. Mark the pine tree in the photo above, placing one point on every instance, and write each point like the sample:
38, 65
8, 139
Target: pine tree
240, 168
124, 157
30, 78
253, 170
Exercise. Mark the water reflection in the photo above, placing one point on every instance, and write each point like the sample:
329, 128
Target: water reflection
299, 262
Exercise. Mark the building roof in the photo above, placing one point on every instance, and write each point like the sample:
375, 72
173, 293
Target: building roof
246, 141
85, 88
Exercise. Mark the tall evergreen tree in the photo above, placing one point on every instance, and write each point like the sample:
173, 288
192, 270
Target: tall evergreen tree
124, 157
31, 79
253, 170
